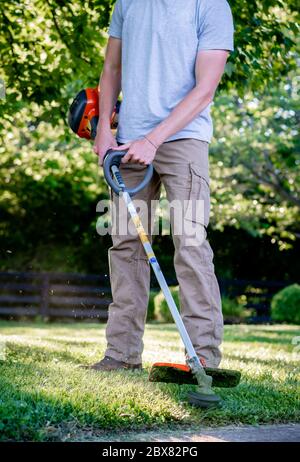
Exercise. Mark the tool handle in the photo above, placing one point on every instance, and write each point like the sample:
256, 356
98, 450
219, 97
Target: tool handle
114, 179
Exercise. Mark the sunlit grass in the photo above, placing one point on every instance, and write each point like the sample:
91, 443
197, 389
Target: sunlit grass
45, 395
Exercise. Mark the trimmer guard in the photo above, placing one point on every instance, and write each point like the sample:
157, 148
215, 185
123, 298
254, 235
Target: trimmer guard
181, 374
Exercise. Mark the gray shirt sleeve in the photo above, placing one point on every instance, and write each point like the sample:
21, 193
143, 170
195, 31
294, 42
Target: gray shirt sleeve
116, 24
214, 25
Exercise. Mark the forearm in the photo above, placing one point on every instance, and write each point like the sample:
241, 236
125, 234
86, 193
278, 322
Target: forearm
194, 103
110, 87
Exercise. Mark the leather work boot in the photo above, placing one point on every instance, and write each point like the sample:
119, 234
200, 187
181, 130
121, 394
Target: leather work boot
111, 364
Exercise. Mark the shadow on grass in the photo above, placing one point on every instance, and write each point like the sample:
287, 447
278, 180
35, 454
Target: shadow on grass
282, 331
80, 325
19, 419
265, 362
38, 416
286, 340
17, 353
75, 343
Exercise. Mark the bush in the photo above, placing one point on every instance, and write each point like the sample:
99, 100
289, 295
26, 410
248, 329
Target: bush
151, 306
161, 309
232, 309
51, 187
285, 305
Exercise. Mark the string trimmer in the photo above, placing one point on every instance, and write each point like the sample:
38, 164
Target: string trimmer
193, 372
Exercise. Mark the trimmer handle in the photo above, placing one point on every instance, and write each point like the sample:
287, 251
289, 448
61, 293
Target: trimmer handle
114, 179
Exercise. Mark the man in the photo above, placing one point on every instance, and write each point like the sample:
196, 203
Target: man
167, 57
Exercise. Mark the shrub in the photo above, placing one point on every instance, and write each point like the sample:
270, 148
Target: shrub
232, 309
49, 196
151, 306
285, 305
161, 309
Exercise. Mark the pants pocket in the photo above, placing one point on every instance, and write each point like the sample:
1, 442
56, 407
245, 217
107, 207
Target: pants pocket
197, 208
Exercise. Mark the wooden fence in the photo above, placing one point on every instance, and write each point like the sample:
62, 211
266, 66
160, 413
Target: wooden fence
56, 295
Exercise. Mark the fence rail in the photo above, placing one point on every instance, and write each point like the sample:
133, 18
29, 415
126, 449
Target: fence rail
78, 296
54, 295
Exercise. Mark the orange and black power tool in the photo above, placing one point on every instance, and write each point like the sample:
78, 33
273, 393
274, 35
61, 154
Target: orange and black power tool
83, 114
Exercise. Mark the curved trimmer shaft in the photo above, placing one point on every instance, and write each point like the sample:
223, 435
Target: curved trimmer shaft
204, 381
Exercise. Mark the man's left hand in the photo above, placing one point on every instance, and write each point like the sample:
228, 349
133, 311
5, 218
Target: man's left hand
139, 151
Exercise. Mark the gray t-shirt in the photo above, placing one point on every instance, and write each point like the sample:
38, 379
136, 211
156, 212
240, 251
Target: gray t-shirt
160, 41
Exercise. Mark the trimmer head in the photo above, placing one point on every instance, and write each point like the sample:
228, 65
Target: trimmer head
181, 374
204, 401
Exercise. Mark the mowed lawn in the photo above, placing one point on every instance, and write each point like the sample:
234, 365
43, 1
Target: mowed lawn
45, 395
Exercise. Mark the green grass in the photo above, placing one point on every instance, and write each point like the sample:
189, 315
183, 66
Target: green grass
45, 395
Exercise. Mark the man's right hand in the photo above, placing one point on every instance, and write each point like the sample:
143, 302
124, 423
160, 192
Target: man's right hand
104, 141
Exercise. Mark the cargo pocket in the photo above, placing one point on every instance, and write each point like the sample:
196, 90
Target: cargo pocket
197, 208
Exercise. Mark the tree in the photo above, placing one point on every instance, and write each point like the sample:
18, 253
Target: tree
49, 49
256, 161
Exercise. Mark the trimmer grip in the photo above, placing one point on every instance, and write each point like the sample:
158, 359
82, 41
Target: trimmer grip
113, 158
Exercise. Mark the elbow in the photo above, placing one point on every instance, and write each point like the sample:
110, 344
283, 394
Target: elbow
210, 96
205, 95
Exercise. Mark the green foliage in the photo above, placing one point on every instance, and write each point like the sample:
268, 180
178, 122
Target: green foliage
255, 162
162, 312
265, 43
151, 306
51, 49
285, 305
232, 309
51, 187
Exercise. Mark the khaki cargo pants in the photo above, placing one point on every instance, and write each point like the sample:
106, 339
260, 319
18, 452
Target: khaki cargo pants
182, 167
